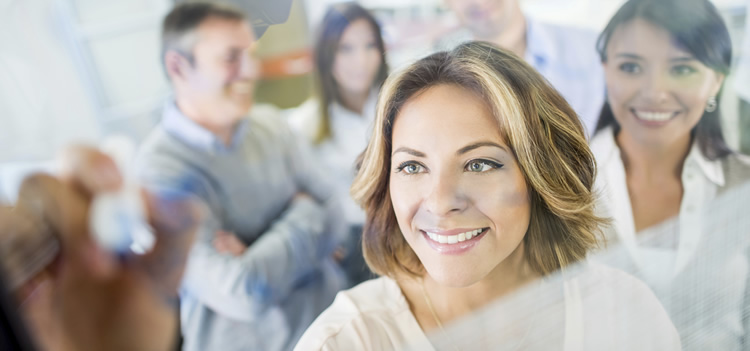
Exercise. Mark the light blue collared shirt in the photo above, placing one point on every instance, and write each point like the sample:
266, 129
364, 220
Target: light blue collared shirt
567, 58
185, 129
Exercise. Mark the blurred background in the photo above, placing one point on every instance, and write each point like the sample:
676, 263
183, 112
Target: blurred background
79, 70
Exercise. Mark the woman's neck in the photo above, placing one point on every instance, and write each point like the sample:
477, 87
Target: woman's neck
352, 101
648, 162
450, 303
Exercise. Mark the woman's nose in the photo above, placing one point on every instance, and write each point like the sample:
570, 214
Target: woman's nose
445, 196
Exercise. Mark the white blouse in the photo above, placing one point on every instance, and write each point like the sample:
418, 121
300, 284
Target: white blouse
350, 133
597, 308
698, 263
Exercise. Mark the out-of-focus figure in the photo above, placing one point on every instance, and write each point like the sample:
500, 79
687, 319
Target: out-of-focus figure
477, 184
742, 85
262, 268
73, 294
566, 56
664, 163
351, 66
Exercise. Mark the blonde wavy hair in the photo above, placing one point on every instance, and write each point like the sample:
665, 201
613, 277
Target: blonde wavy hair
542, 130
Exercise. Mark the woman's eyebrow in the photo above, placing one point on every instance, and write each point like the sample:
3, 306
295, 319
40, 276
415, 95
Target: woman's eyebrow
476, 145
409, 151
682, 59
629, 56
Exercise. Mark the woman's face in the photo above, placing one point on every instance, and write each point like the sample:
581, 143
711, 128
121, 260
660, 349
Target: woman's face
458, 193
658, 91
357, 59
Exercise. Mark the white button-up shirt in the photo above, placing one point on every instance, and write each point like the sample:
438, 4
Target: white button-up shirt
702, 278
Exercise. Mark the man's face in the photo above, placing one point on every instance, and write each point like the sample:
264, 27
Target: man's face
484, 18
219, 83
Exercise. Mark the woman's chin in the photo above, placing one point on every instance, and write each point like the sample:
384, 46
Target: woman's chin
453, 277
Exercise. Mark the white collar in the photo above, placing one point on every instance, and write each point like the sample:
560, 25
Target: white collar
606, 150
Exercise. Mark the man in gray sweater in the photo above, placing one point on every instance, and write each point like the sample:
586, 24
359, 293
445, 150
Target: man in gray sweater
261, 269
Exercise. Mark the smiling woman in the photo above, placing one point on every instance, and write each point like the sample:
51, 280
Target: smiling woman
477, 182
457, 180
665, 166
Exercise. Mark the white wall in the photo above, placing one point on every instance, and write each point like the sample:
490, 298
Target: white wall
43, 102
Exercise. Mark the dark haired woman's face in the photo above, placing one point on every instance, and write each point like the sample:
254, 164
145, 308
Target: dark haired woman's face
357, 59
657, 91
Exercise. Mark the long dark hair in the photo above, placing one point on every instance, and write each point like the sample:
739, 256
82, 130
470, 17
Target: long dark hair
336, 20
695, 26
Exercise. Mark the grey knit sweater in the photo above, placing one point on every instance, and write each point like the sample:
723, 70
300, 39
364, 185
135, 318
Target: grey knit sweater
265, 298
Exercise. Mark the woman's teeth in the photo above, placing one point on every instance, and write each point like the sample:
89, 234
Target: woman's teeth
453, 239
654, 116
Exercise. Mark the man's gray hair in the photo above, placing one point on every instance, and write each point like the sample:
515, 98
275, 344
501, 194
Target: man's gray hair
178, 28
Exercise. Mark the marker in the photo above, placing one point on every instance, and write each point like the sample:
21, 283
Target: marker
118, 218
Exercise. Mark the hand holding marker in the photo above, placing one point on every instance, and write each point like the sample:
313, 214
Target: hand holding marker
118, 219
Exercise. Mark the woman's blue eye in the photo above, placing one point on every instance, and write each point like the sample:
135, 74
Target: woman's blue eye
682, 70
630, 67
410, 168
482, 166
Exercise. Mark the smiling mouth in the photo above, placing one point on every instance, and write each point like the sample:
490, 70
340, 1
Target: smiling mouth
455, 239
650, 116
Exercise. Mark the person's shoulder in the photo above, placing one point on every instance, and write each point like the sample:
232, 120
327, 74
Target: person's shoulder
612, 278
361, 318
164, 161
266, 116
159, 147
570, 45
157, 138
737, 162
621, 309
566, 33
736, 169
602, 145
618, 292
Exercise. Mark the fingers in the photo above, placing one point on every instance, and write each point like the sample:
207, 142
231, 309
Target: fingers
63, 210
228, 244
26, 247
175, 219
220, 245
89, 170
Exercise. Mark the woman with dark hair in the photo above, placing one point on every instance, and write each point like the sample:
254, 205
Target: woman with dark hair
351, 66
663, 165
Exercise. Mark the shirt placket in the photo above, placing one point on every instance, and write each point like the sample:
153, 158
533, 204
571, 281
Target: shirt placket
696, 191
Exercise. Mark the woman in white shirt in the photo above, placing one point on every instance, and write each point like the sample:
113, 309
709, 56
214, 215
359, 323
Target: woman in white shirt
664, 167
351, 66
476, 184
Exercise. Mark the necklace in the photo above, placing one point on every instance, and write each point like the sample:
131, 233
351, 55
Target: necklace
440, 324
432, 311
